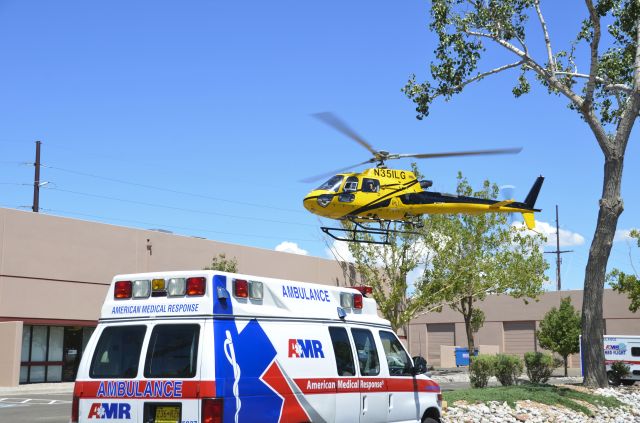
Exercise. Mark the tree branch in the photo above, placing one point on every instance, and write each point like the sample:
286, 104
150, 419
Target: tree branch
547, 40
595, 41
607, 86
485, 74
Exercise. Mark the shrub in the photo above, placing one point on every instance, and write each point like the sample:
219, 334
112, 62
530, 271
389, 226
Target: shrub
480, 370
507, 369
618, 371
539, 366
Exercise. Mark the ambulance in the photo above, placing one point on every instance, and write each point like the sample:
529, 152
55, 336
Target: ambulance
212, 347
625, 349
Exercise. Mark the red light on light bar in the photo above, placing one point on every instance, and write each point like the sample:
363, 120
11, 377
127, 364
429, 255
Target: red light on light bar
357, 300
364, 289
122, 290
240, 288
196, 286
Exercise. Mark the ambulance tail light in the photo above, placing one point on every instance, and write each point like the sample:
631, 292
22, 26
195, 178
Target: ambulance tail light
240, 288
196, 286
122, 290
357, 301
75, 406
211, 410
364, 290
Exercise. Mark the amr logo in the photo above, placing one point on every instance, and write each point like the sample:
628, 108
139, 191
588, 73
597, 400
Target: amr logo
114, 410
305, 348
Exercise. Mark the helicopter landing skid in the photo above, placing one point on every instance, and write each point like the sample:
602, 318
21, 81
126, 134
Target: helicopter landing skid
377, 235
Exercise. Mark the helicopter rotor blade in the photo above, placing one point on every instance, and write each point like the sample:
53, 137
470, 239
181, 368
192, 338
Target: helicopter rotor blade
327, 174
336, 123
458, 153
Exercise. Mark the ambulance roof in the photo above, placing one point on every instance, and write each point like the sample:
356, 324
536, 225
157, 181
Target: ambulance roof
280, 299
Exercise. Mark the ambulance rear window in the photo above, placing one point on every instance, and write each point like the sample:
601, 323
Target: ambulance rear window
173, 351
118, 352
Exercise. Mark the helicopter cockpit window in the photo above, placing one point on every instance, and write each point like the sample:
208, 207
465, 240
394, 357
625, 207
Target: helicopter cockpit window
351, 184
350, 187
370, 185
332, 184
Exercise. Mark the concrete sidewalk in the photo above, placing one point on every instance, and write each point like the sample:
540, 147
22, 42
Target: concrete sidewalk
38, 388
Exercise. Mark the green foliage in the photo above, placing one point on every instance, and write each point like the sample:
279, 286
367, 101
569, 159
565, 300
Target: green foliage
560, 330
481, 368
539, 366
467, 30
543, 394
620, 370
385, 269
477, 319
507, 369
478, 255
627, 284
223, 264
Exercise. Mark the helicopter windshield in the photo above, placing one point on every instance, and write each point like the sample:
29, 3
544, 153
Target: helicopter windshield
332, 184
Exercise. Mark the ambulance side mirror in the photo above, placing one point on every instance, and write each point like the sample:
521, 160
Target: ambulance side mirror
419, 365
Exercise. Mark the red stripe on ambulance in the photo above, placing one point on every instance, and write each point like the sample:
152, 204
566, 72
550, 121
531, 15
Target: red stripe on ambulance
131, 389
345, 385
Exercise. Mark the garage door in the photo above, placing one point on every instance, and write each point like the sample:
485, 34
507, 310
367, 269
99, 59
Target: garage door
439, 334
519, 337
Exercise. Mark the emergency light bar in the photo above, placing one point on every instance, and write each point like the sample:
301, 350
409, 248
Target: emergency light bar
248, 289
348, 300
364, 289
174, 287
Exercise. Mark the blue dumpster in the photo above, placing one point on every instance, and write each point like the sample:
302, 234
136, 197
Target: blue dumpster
462, 356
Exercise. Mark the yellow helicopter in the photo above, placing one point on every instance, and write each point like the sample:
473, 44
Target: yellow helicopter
384, 196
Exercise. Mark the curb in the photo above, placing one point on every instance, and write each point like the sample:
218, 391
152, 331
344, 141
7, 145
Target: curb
38, 388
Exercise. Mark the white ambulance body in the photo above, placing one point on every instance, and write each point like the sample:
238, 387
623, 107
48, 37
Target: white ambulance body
624, 348
208, 346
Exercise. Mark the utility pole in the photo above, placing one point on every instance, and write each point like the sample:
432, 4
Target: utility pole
558, 252
36, 180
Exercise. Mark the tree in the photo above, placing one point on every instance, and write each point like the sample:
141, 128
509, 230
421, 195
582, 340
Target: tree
385, 268
606, 97
560, 330
628, 284
479, 255
223, 264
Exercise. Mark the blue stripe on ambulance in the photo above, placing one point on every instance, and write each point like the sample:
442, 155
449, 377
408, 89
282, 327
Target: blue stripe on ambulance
240, 360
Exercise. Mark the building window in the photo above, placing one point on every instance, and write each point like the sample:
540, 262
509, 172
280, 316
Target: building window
52, 353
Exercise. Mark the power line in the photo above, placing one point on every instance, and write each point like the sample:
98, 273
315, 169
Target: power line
172, 226
177, 208
120, 181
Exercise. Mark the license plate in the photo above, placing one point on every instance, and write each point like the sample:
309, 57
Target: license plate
168, 414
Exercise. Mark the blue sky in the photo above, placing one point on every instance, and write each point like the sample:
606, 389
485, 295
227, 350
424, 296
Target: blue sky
214, 99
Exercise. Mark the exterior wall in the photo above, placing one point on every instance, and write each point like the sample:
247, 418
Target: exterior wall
46, 257
10, 348
501, 309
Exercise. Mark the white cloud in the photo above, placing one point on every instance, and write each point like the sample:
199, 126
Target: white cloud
622, 235
567, 238
291, 247
339, 250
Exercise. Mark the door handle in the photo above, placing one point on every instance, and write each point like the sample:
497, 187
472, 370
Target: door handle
390, 402
364, 404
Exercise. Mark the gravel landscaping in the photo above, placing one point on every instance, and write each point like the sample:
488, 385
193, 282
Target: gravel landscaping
528, 411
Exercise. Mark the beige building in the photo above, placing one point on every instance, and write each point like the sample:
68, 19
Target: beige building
510, 325
54, 274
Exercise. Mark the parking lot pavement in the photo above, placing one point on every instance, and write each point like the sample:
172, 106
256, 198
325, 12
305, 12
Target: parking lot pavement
45, 402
